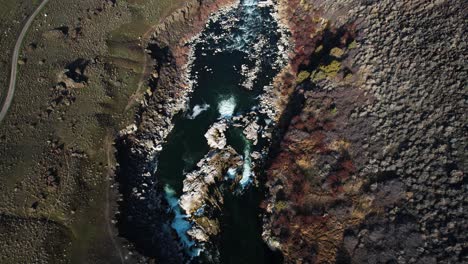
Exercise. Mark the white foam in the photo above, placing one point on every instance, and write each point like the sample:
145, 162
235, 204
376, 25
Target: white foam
247, 168
249, 2
180, 223
226, 107
231, 173
198, 109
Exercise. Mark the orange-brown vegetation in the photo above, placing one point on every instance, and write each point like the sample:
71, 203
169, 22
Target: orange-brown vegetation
318, 177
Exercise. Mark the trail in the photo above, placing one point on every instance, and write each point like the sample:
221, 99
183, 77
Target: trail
145, 38
145, 73
14, 61
109, 175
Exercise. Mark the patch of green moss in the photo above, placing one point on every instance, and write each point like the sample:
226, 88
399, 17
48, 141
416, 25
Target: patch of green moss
302, 76
334, 111
281, 205
352, 45
336, 52
348, 77
318, 75
319, 49
326, 71
331, 69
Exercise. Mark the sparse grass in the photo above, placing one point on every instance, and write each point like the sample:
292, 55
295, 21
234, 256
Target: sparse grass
109, 40
12, 16
130, 31
33, 237
318, 75
129, 50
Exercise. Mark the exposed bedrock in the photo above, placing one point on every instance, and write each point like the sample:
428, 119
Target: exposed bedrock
143, 212
203, 195
215, 135
372, 167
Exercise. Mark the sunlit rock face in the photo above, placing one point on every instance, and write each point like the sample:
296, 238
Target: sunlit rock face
202, 198
234, 61
215, 135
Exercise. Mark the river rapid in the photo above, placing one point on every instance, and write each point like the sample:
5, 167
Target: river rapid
234, 61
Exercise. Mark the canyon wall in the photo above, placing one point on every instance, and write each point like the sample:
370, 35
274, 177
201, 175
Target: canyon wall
371, 167
143, 218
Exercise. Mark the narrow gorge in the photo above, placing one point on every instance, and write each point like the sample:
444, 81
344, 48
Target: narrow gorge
192, 190
234, 131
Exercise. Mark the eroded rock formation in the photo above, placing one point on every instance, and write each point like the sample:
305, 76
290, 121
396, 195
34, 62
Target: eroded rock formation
203, 199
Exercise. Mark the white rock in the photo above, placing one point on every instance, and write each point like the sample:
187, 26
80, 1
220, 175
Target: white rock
215, 135
251, 132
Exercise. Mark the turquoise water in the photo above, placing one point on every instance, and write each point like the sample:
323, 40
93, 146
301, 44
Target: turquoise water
216, 92
224, 47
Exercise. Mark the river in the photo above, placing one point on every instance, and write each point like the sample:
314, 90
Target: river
235, 58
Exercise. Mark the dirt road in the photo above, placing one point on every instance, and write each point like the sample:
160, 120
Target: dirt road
14, 61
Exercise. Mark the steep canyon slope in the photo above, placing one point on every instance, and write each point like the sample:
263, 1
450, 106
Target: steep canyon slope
372, 165
355, 152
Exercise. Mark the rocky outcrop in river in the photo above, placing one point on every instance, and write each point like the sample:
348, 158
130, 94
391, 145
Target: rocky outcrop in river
215, 135
203, 198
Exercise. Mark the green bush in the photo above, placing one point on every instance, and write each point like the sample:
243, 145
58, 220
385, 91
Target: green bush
302, 76
336, 52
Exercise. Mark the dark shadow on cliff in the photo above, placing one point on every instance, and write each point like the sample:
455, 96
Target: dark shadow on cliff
145, 222
310, 63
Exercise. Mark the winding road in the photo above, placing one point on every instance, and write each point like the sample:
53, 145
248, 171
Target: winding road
9, 99
14, 61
